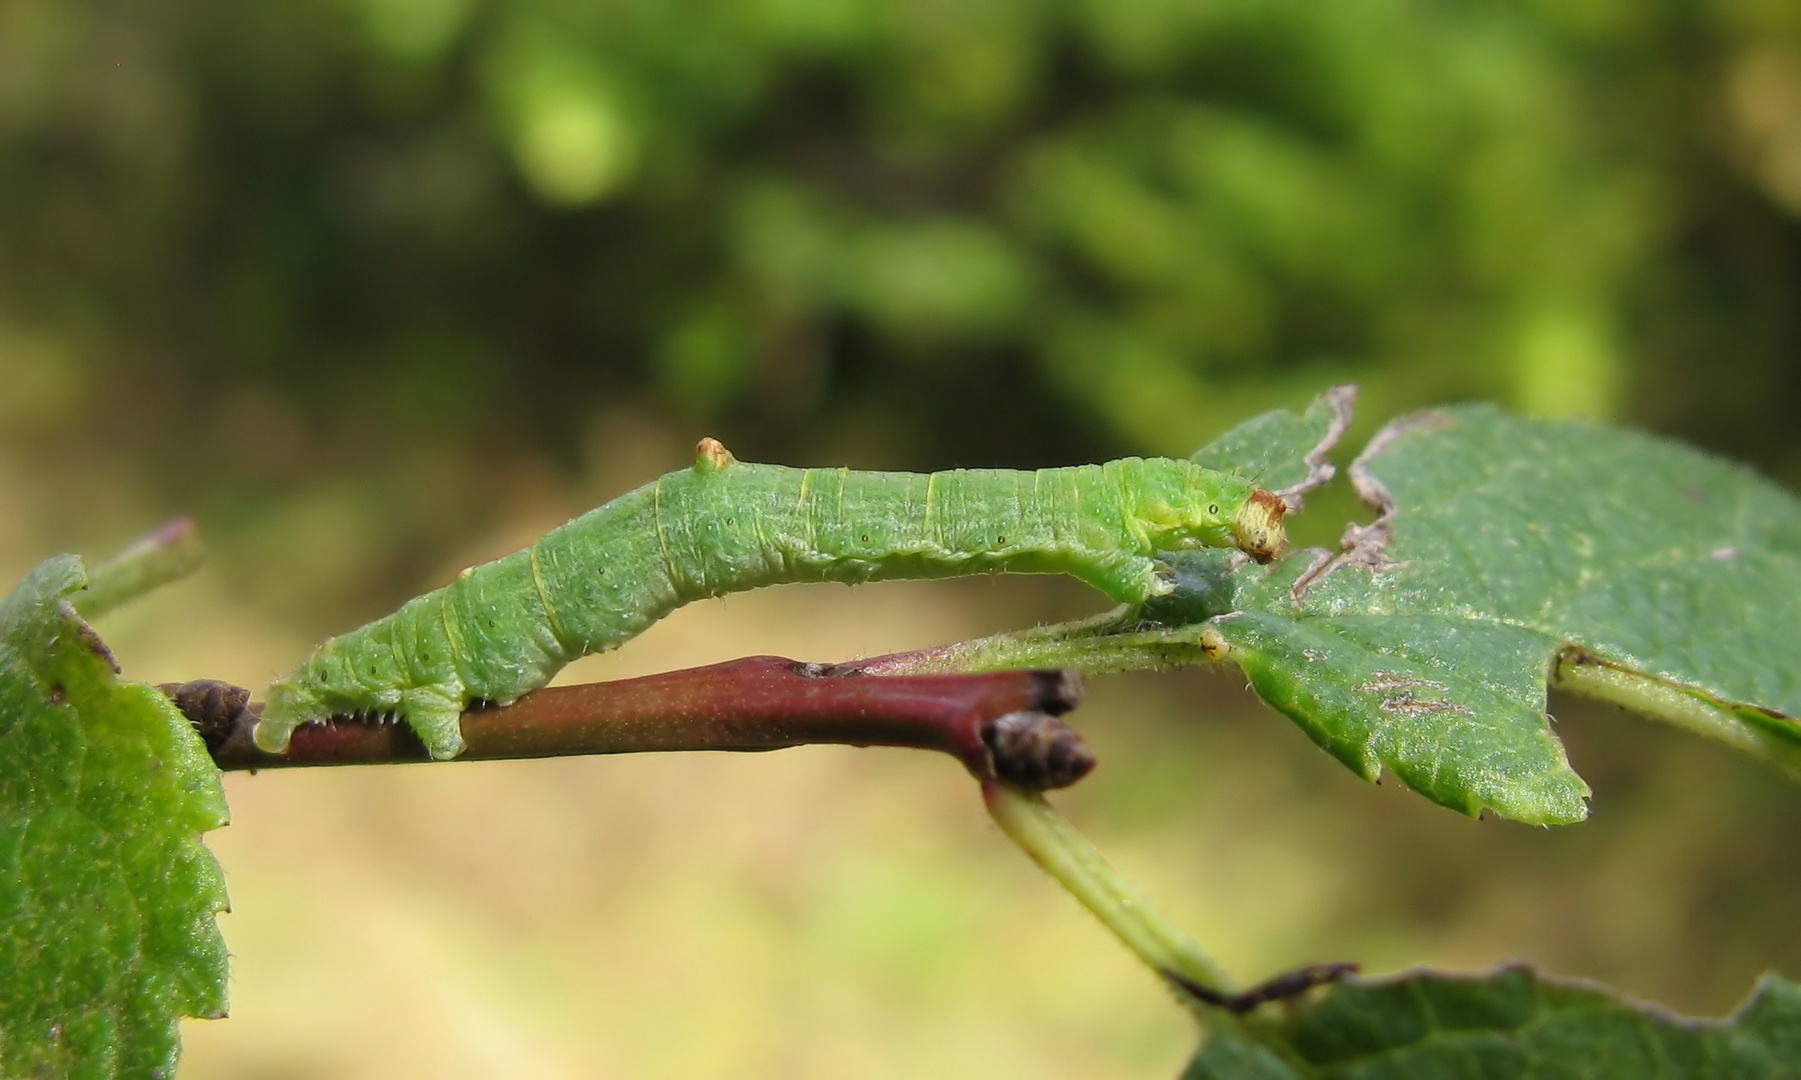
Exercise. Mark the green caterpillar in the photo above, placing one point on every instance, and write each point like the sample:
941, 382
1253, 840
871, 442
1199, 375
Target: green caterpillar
508, 626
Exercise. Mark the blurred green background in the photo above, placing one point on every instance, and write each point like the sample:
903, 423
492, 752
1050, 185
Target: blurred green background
379, 288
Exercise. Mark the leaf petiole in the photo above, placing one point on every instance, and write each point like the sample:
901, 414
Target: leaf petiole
1582, 673
169, 554
1103, 645
1066, 855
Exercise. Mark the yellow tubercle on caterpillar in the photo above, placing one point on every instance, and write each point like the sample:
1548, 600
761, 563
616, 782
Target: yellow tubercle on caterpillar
710, 455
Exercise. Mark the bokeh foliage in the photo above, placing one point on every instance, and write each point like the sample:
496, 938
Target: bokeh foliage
337, 276
1009, 231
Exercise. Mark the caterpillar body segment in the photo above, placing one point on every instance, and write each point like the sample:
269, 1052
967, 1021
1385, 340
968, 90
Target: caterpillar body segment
506, 627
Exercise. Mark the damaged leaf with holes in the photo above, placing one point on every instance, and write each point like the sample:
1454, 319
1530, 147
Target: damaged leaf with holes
107, 896
1501, 544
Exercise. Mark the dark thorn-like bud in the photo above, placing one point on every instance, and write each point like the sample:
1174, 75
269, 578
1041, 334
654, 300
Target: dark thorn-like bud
1056, 691
1036, 751
213, 707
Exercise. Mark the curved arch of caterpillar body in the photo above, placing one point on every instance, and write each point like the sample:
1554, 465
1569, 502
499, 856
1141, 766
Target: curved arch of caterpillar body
506, 627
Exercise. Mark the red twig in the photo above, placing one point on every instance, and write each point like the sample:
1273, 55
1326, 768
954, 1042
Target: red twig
999, 724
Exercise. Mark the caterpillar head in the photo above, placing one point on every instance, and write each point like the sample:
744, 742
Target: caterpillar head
1257, 527
1190, 506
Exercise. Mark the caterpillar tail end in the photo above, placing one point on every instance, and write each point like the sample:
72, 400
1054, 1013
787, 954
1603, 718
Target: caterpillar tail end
1257, 528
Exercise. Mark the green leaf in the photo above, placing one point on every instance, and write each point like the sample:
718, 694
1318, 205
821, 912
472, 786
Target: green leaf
1648, 553
1454, 706
1510, 1023
1506, 549
107, 896
1285, 451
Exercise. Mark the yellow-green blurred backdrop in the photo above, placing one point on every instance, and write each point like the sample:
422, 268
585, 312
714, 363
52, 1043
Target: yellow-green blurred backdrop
379, 288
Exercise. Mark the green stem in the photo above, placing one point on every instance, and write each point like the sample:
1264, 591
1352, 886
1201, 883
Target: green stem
169, 554
1103, 645
1587, 675
1066, 855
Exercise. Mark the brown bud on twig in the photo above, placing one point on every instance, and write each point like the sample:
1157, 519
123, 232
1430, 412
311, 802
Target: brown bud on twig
1036, 751
215, 708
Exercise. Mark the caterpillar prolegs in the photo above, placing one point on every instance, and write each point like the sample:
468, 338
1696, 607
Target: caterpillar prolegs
506, 627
